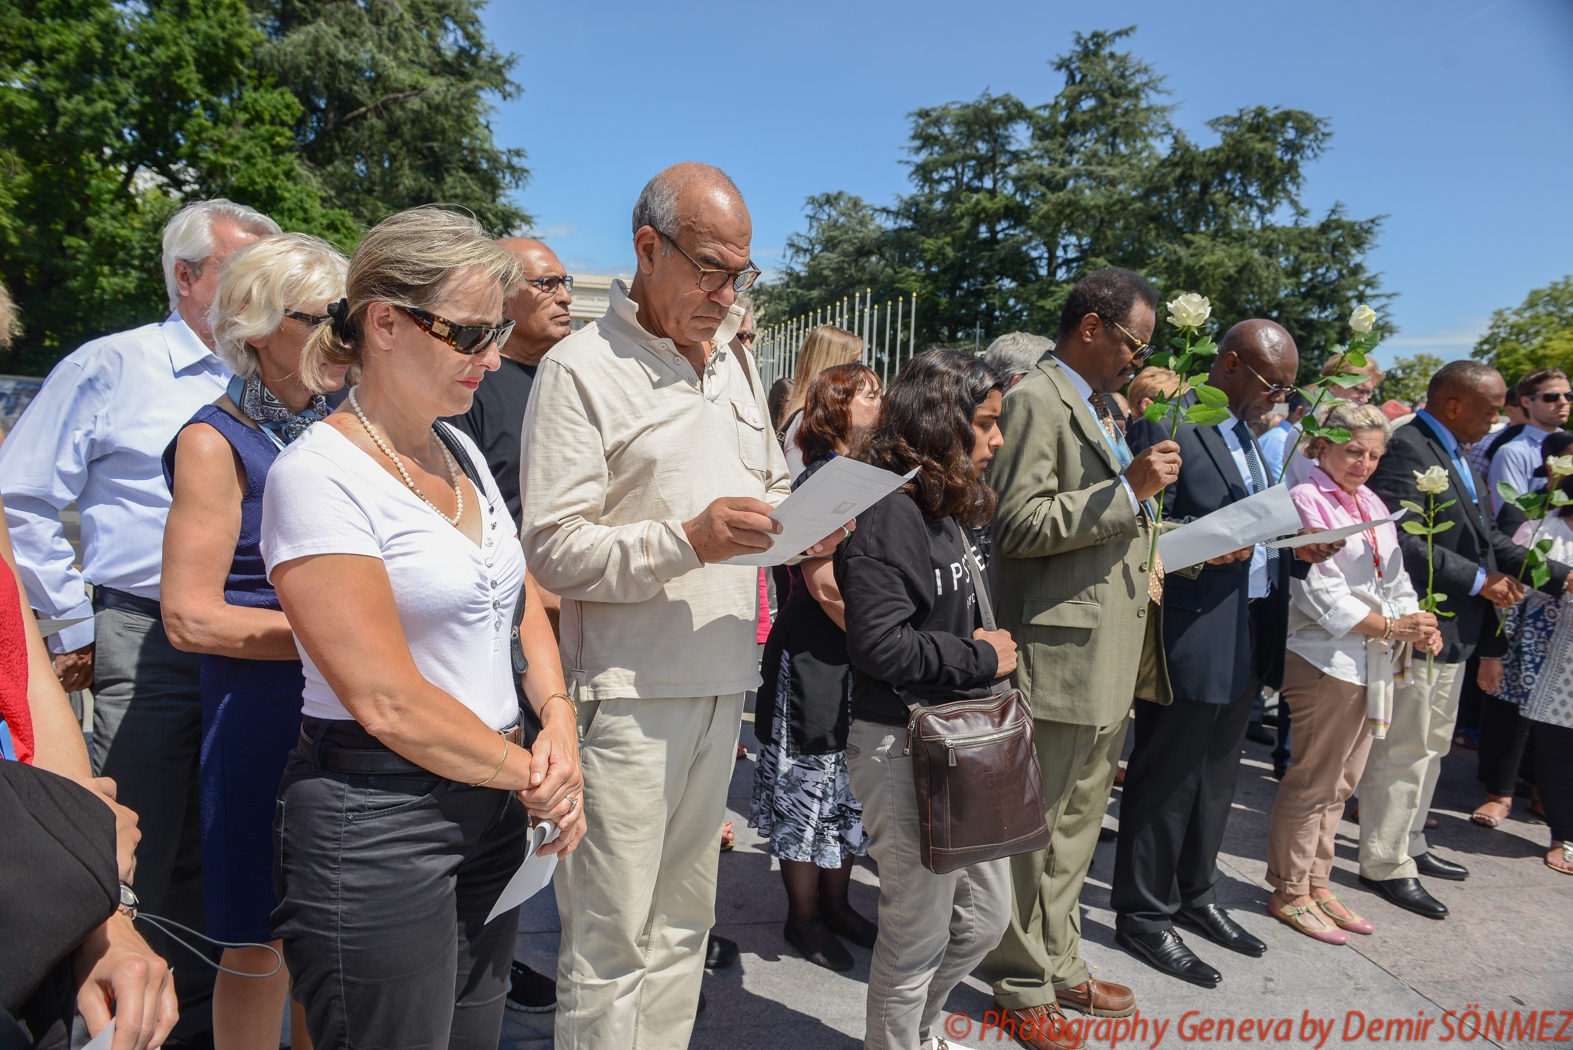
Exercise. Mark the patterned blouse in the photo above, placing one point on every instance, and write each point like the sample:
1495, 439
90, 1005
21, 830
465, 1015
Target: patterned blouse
1538, 669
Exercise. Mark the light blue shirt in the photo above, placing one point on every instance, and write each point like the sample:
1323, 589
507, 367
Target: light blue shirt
1451, 443
1260, 584
1273, 445
95, 434
1516, 463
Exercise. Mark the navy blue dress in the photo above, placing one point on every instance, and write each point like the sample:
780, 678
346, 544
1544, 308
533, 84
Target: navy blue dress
250, 722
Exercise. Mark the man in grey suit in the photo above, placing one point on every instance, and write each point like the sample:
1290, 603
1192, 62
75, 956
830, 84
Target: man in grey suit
1072, 585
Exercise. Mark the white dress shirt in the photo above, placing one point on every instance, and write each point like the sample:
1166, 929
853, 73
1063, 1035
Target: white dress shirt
1260, 584
95, 434
1084, 388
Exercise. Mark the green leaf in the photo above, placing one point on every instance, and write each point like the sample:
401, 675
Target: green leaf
1540, 574
1206, 346
1348, 379
1182, 364
1161, 359
1442, 526
1439, 612
1534, 556
1442, 598
1310, 426
1156, 411
1444, 506
1414, 528
1560, 498
1354, 357
1544, 546
1508, 492
1211, 396
1203, 416
1411, 506
1337, 435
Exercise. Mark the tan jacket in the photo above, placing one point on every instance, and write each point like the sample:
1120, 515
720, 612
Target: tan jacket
622, 444
1070, 559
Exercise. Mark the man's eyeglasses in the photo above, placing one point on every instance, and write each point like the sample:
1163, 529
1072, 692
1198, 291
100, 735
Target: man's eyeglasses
712, 280
312, 320
1141, 350
1273, 389
549, 285
467, 339
1552, 397
745, 337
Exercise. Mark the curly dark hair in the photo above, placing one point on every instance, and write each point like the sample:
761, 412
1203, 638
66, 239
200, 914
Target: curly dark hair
925, 421
827, 411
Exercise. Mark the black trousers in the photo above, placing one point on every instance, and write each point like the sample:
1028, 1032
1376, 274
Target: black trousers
384, 883
1554, 776
1179, 787
1503, 734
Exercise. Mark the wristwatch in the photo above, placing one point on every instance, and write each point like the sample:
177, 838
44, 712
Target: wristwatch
128, 902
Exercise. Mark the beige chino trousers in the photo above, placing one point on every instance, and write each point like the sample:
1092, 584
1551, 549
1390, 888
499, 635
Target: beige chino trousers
637, 897
1401, 771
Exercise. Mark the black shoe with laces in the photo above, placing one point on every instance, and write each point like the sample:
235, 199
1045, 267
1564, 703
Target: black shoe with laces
720, 952
530, 992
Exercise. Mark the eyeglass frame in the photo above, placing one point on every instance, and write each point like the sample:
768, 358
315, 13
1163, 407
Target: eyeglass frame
427, 322
747, 337
753, 273
1551, 397
1273, 389
563, 280
1141, 351
310, 320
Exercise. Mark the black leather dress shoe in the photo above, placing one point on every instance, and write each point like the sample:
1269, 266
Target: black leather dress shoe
1214, 923
1256, 734
720, 952
1165, 951
1434, 867
1407, 894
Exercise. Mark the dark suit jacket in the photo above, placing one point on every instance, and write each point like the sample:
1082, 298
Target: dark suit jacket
1206, 617
1473, 542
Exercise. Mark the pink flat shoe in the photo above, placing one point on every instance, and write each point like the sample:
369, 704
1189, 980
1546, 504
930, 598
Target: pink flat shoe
1354, 924
1307, 919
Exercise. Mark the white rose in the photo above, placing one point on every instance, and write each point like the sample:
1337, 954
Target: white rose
1434, 480
1189, 311
1560, 466
1362, 319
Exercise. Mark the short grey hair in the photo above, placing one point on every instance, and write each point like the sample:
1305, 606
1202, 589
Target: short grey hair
1014, 353
188, 237
1351, 417
657, 203
288, 271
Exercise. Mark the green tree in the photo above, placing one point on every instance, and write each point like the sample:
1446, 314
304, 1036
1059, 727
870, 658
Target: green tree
845, 248
1536, 334
1011, 204
1407, 378
394, 104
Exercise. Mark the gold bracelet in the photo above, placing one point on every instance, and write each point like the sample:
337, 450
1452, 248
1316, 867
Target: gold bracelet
1391, 624
571, 705
504, 762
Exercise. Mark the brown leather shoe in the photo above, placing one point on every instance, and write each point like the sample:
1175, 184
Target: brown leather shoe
1041, 1028
1098, 998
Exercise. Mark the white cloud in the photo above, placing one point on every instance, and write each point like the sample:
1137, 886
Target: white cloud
1446, 343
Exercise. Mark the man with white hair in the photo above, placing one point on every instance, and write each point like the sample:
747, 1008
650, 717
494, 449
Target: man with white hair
1013, 354
94, 435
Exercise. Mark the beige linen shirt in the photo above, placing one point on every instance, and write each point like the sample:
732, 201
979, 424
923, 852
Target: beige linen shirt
622, 443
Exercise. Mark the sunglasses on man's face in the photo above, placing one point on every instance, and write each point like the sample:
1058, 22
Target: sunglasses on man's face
745, 337
1140, 351
1552, 397
467, 339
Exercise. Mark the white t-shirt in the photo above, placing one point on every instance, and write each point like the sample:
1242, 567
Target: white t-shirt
455, 599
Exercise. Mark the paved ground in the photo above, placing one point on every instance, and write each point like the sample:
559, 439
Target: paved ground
1505, 947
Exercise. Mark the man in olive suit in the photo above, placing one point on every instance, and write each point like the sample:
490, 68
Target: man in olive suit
1071, 583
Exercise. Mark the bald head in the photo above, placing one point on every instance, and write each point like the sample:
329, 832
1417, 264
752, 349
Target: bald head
686, 194
1256, 367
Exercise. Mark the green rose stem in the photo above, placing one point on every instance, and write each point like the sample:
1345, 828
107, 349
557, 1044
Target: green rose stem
1434, 479
1430, 577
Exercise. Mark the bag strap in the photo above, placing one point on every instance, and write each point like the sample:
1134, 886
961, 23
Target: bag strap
450, 441
985, 607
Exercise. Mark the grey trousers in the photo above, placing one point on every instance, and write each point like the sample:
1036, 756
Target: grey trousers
933, 929
384, 884
147, 735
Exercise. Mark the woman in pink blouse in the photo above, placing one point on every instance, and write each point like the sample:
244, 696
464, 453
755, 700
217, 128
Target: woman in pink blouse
1352, 623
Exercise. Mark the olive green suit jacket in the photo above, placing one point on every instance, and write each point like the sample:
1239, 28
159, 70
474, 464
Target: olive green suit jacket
1069, 565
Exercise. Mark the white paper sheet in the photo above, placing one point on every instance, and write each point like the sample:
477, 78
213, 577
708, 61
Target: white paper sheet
838, 492
49, 627
1255, 519
533, 874
105, 1036
1331, 535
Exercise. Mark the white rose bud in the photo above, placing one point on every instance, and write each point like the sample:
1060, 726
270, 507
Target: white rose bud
1189, 311
1560, 466
1362, 319
1433, 481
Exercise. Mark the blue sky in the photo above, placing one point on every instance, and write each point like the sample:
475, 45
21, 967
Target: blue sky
1454, 118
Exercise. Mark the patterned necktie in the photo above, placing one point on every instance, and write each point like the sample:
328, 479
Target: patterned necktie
1122, 452
1259, 482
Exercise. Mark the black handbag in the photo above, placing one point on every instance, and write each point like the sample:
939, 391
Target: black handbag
975, 770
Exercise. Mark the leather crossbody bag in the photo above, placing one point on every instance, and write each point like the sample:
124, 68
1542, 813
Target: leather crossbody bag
975, 770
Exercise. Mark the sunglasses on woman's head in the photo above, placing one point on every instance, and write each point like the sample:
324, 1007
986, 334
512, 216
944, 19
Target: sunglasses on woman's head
467, 339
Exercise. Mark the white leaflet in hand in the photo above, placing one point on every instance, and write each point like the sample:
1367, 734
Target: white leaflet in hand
533, 874
105, 1036
1245, 523
1343, 532
838, 492
49, 627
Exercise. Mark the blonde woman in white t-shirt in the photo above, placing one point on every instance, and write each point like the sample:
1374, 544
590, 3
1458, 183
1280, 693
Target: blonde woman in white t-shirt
405, 810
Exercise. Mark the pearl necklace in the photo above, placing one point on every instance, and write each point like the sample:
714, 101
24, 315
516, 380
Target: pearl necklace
453, 468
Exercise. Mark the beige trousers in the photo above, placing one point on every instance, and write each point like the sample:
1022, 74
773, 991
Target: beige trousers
637, 897
1331, 740
1041, 950
933, 929
1401, 771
